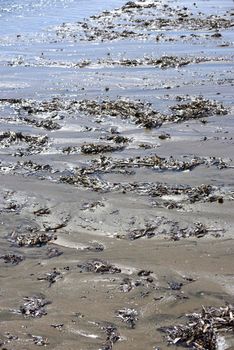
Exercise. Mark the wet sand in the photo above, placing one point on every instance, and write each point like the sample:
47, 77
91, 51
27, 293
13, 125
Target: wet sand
116, 172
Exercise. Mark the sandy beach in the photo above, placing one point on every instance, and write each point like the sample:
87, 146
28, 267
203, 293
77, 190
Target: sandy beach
117, 175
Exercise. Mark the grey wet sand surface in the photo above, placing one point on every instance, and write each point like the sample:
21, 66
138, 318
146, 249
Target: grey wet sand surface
116, 172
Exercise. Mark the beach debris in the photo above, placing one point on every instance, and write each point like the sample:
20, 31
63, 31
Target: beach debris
129, 316
35, 144
164, 136
92, 206
202, 329
197, 108
70, 150
10, 137
34, 306
144, 273
112, 336
95, 247
53, 252
126, 285
179, 194
161, 62
118, 139
58, 226
98, 148
12, 258
98, 266
32, 239
51, 277
46, 123
144, 232
32, 166
39, 340
172, 230
42, 211
140, 113
144, 21
143, 279
174, 285
58, 326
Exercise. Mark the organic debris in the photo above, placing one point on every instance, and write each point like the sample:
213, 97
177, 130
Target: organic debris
180, 194
113, 336
58, 326
143, 280
171, 229
202, 329
118, 139
162, 62
140, 113
164, 136
53, 253
70, 150
34, 306
42, 211
11, 258
198, 108
92, 206
175, 285
140, 20
47, 123
32, 166
51, 277
129, 316
95, 247
36, 144
39, 340
95, 149
32, 239
98, 266
57, 226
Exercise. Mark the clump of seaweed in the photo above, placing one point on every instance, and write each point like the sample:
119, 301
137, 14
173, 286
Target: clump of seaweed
47, 123
32, 166
51, 277
12, 258
92, 206
202, 329
42, 211
32, 239
35, 144
144, 280
140, 113
39, 340
171, 229
129, 316
112, 336
162, 62
118, 139
98, 148
34, 306
95, 247
98, 266
53, 252
198, 108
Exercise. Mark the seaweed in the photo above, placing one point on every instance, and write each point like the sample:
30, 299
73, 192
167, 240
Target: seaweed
129, 316
202, 329
34, 306
51, 277
32, 239
12, 258
112, 336
98, 266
